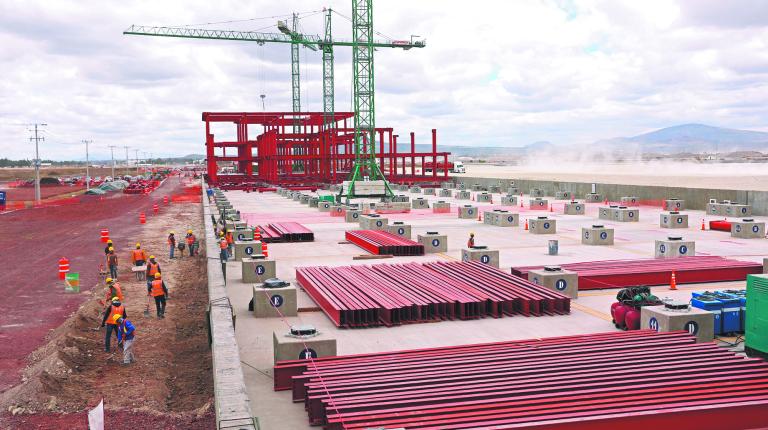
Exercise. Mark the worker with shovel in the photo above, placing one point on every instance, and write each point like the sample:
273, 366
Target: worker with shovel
114, 308
159, 291
125, 335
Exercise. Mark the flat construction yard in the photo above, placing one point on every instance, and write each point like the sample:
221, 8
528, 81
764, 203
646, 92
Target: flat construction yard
52, 361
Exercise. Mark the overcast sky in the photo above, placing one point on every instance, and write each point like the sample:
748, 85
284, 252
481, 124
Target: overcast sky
501, 73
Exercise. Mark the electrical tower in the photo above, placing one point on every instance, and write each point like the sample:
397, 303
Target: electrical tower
87, 165
37, 140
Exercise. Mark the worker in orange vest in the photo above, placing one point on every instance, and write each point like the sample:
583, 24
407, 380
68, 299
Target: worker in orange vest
223, 245
172, 242
159, 291
153, 267
230, 242
112, 262
113, 291
191, 242
114, 308
471, 241
138, 256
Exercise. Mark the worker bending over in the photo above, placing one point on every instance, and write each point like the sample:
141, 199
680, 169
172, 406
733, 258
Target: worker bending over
159, 291
126, 333
138, 256
113, 291
114, 308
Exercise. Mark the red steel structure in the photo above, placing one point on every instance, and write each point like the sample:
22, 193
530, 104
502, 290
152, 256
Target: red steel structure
637, 380
317, 154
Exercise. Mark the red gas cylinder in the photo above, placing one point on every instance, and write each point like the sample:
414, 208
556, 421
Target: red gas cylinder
63, 267
614, 305
620, 314
632, 319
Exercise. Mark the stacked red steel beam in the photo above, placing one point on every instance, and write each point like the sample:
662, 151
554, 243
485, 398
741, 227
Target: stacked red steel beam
286, 232
384, 243
616, 380
654, 271
720, 225
391, 294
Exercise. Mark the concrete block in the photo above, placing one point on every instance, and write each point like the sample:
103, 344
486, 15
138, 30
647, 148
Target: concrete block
674, 205
673, 220
557, 279
483, 197
481, 254
373, 222
494, 189
441, 207
402, 187
463, 195
538, 204
428, 191
748, 228
447, 185
258, 270
338, 210
445, 192
542, 225
592, 198
415, 189
625, 214
324, 206
304, 199
292, 348
536, 192
596, 235
242, 234
478, 187
334, 188
296, 197
513, 190
246, 248
509, 200
420, 203
562, 195
313, 202
433, 242
738, 210
574, 208
401, 229
401, 198
461, 186
607, 212
501, 218
271, 302
629, 201
714, 208
695, 321
352, 215
467, 212
674, 246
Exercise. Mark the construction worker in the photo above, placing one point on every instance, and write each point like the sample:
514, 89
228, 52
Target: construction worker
114, 308
471, 241
113, 290
112, 262
138, 256
126, 333
230, 242
171, 242
153, 267
190, 237
109, 245
223, 245
159, 291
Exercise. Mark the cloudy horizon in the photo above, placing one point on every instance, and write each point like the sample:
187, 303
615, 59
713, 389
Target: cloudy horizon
504, 74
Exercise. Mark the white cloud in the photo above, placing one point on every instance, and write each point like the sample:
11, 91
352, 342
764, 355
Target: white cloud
493, 73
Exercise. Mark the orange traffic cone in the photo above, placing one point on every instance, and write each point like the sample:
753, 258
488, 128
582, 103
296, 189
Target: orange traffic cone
673, 282
606, 201
703, 226
264, 249
479, 216
550, 208
473, 197
257, 234
491, 199
526, 223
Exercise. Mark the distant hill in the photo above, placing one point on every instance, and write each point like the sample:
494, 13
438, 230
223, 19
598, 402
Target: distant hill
694, 138
481, 151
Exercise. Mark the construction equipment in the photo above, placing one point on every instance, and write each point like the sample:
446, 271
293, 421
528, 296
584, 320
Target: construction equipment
756, 319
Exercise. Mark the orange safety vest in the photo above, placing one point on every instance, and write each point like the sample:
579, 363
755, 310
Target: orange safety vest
171, 240
230, 238
190, 239
157, 288
153, 268
223, 243
113, 310
118, 292
138, 254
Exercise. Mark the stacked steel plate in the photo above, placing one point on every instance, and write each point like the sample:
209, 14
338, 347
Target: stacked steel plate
390, 294
616, 380
381, 242
654, 271
286, 232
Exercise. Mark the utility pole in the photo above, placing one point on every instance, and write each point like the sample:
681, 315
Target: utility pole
87, 165
112, 150
37, 140
126, 155
263, 105
136, 153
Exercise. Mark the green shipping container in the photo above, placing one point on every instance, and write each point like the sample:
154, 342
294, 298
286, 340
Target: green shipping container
756, 322
325, 198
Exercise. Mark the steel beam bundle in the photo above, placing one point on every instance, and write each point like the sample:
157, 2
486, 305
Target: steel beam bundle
628, 380
392, 294
286, 232
595, 275
384, 243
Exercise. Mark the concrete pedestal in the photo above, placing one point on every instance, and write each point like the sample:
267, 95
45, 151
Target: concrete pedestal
596, 235
304, 199
291, 348
402, 187
629, 201
557, 279
243, 234
536, 192
428, 191
513, 190
509, 201
433, 242
624, 214
562, 195
542, 225
297, 197
268, 301
747, 228
246, 248
494, 189
420, 203
538, 204
334, 188
478, 187
373, 222
674, 205
313, 202
501, 218
467, 212
338, 210
441, 207
673, 247
400, 229
352, 215
463, 195
461, 186
738, 210
483, 197
415, 189
401, 199
445, 192
607, 212
695, 321
714, 208
483, 255
324, 206
574, 208
258, 270
673, 220
592, 198
447, 185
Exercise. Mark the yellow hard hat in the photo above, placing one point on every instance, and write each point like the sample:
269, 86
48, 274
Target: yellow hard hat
471, 233
138, 245
189, 231
109, 241
172, 232
109, 280
111, 248
157, 275
151, 257
115, 299
116, 317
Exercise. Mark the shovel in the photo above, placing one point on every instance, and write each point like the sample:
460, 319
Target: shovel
146, 310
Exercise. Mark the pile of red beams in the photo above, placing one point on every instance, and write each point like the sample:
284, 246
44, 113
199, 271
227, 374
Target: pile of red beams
384, 243
654, 271
390, 294
286, 232
616, 380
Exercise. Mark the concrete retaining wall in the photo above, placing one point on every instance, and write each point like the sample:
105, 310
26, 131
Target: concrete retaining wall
695, 198
233, 407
